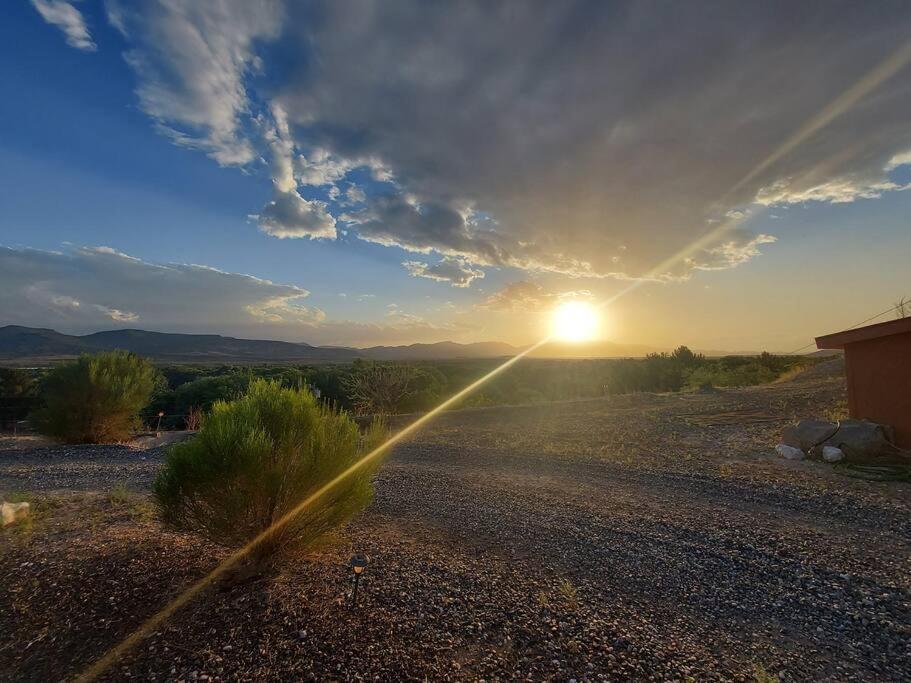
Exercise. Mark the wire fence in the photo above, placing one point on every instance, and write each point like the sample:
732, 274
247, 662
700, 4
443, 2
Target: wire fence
902, 304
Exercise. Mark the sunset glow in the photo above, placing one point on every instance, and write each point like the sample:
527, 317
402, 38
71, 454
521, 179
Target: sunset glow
575, 321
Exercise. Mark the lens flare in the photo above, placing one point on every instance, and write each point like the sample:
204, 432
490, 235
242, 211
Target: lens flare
575, 321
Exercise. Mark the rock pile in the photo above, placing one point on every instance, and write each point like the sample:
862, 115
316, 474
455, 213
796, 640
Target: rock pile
855, 440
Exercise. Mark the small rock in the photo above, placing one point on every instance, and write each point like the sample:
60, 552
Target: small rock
789, 452
832, 454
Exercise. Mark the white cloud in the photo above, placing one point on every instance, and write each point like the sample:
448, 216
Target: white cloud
902, 159
457, 272
117, 314
192, 59
843, 190
86, 288
68, 19
735, 249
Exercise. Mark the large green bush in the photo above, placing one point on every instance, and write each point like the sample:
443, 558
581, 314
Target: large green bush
97, 398
255, 459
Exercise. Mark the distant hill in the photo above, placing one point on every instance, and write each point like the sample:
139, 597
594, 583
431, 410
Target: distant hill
440, 350
18, 342
41, 345
36, 343
593, 349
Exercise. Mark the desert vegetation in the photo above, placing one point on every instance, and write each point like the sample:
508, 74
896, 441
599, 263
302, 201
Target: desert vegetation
255, 459
374, 387
542, 542
364, 387
95, 399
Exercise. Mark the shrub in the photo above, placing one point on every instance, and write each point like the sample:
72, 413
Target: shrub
96, 399
255, 459
379, 388
15, 383
204, 392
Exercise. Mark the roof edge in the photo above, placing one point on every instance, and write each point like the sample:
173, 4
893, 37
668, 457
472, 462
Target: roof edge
838, 340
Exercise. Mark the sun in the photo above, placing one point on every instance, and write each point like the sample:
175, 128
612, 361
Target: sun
575, 321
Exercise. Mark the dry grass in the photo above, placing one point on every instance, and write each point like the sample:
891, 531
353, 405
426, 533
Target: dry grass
790, 374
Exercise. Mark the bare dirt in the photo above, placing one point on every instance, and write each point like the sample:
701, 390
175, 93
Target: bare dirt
636, 538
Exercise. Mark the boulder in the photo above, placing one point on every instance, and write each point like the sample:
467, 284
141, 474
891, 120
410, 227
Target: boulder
808, 433
862, 439
857, 439
13, 512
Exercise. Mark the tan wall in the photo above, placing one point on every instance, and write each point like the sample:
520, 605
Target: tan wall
879, 382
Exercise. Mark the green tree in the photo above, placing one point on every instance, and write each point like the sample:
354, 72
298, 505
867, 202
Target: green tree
97, 398
255, 459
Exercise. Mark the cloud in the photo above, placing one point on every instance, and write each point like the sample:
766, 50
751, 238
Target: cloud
525, 295
68, 19
737, 248
321, 167
289, 215
399, 220
842, 190
584, 139
355, 195
117, 314
87, 288
457, 272
454, 230
901, 159
192, 60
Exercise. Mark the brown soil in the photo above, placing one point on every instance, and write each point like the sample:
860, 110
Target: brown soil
640, 537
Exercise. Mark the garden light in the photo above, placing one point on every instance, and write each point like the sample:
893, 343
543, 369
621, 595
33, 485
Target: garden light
358, 564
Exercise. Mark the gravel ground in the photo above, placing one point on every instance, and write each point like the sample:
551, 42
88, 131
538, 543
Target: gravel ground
640, 538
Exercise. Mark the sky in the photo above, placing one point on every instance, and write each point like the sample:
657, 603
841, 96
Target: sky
724, 175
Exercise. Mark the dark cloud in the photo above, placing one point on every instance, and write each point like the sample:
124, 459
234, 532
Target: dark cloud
289, 215
583, 138
584, 127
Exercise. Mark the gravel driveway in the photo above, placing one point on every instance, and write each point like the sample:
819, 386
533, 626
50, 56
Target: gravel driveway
648, 538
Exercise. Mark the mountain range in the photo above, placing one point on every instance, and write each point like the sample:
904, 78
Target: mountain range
35, 344
42, 344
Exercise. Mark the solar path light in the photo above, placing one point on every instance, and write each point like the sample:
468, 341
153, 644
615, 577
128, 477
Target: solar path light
358, 564
160, 415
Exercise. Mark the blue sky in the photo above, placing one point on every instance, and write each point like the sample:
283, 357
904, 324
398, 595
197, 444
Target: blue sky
429, 173
80, 163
